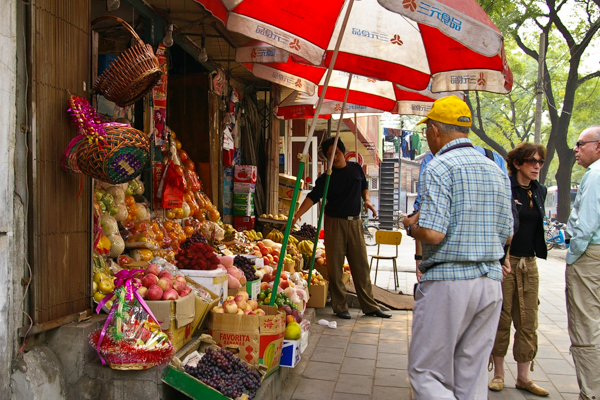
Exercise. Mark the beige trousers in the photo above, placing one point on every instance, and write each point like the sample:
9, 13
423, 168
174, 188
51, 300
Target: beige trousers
583, 311
345, 238
520, 307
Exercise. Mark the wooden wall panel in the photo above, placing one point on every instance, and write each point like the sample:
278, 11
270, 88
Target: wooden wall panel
59, 202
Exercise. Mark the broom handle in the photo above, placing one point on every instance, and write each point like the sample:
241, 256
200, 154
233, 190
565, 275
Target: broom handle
121, 21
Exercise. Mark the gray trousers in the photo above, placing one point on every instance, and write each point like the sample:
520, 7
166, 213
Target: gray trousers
453, 331
583, 311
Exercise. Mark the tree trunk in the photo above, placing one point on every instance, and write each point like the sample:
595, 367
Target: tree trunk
563, 179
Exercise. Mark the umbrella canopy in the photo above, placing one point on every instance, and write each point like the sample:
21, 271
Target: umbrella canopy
301, 105
452, 46
364, 91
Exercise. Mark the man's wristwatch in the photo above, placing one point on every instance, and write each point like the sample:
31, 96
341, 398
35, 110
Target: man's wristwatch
418, 257
409, 230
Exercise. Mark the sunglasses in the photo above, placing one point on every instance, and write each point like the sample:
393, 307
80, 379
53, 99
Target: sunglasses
533, 162
584, 142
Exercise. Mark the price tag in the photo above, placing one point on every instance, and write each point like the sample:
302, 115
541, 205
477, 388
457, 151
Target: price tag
221, 247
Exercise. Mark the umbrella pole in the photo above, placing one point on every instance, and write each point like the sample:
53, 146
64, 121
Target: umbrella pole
304, 156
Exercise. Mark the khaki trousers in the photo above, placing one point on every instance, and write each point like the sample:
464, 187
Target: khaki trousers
583, 311
519, 306
345, 239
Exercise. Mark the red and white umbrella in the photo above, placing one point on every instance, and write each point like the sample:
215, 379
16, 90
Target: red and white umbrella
300, 105
448, 44
363, 92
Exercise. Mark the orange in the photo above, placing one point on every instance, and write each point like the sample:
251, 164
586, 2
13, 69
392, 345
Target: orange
188, 230
129, 200
181, 237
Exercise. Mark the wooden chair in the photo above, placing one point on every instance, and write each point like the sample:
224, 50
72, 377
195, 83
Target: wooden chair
389, 238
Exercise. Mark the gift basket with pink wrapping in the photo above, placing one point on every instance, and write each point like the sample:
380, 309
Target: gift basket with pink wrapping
131, 338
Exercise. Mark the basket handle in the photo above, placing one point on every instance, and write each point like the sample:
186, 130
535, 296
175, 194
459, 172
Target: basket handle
121, 21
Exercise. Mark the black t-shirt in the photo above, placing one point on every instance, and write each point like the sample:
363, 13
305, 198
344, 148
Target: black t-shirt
529, 222
345, 191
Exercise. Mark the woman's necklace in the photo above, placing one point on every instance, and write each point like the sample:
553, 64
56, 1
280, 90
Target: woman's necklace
529, 194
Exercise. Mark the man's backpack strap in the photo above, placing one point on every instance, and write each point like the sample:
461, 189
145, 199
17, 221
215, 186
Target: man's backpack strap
489, 154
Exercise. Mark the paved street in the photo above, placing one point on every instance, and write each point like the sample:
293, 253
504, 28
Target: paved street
367, 358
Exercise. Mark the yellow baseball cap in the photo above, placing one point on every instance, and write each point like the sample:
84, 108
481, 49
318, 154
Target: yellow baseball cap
448, 110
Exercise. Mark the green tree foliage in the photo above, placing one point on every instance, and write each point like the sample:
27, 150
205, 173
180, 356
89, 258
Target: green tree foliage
571, 27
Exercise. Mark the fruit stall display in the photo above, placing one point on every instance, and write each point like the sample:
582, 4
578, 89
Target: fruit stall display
165, 243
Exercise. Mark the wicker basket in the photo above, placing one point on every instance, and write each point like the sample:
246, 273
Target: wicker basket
119, 157
133, 74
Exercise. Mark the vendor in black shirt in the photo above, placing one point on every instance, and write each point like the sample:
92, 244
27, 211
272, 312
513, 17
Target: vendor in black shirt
344, 236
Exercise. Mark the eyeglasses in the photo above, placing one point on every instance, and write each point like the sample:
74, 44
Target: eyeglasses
533, 162
424, 131
582, 143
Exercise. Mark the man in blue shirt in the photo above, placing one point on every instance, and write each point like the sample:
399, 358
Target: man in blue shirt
583, 268
464, 224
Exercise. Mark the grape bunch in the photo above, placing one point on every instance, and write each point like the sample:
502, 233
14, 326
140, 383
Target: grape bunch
306, 231
195, 238
246, 266
223, 371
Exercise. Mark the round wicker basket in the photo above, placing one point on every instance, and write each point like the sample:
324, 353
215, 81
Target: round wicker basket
119, 156
133, 74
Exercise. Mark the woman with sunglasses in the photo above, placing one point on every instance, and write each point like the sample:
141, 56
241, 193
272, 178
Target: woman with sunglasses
520, 286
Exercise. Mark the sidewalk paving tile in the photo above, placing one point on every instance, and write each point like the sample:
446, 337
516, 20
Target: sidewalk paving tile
357, 350
391, 377
321, 370
364, 338
310, 389
358, 366
354, 384
328, 355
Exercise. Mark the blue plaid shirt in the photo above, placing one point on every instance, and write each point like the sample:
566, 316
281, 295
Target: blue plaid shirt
467, 198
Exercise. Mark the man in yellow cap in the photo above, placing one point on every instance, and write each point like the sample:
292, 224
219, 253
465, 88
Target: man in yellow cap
465, 225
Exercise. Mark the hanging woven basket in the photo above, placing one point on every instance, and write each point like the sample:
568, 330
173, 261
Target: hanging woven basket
118, 157
132, 75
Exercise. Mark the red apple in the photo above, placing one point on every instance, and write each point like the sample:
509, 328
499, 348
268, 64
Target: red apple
260, 311
170, 294
267, 278
154, 293
247, 311
284, 284
149, 280
165, 274
165, 283
185, 291
153, 269
240, 300
253, 304
264, 251
218, 310
142, 291
180, 278
230, 306
264, 284
179, 286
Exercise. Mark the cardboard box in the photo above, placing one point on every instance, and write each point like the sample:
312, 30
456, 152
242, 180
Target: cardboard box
242, 210
244, 173
287, 183
345, 278
304, 341
241, 223
260, 338
241, 187
243, 198
215, 280
284, 207
252, 288
203, 306
290, 353
176, 318
175, 376
318, 296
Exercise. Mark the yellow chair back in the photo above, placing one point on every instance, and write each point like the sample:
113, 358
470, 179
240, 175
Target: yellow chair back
388, 237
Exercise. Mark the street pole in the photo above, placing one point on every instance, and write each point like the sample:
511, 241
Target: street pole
537, 136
